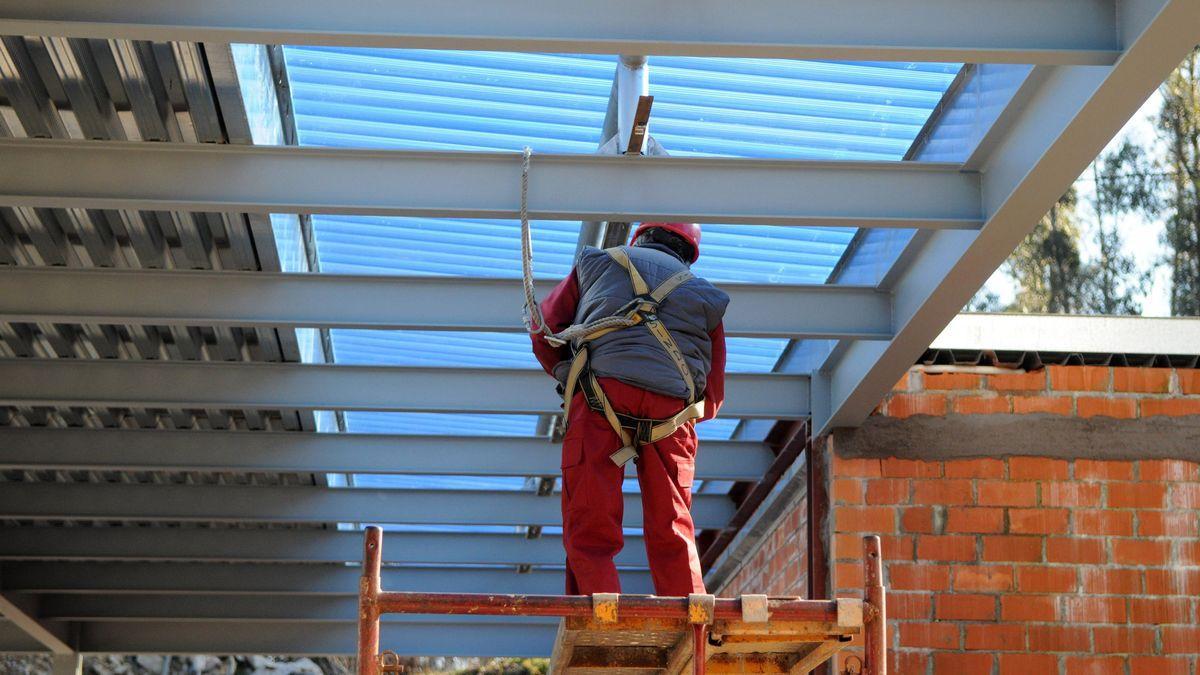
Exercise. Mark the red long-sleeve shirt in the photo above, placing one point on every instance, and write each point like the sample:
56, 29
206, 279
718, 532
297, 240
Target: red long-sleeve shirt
558, 311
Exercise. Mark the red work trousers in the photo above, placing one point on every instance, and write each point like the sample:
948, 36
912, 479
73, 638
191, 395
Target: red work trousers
593, 506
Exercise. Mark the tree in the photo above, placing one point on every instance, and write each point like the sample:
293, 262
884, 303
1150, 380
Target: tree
1179, 128
1112, 283
1046, 266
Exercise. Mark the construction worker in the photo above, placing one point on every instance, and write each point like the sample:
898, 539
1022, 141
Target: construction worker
635, 393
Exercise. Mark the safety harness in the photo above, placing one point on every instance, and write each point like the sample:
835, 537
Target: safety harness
641, 310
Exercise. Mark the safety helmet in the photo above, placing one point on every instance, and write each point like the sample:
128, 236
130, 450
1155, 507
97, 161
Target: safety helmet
689, 231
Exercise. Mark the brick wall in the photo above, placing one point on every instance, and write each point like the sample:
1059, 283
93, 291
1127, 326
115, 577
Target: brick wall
779, 563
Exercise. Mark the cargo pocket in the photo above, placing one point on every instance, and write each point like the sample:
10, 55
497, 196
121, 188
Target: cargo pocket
685, 472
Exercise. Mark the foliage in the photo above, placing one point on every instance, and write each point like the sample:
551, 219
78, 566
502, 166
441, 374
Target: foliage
1179, 128
510, 667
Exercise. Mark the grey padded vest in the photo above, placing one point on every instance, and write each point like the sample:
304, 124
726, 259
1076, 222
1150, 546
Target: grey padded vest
633, 355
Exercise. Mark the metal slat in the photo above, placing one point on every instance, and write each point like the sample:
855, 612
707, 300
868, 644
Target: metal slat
273, 386
1017, 31
267, 452
260, 179
160, 298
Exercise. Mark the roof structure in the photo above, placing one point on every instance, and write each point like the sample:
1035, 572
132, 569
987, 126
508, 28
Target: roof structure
298, 311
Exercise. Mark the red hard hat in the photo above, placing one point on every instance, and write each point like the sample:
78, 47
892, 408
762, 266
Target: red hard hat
689, 231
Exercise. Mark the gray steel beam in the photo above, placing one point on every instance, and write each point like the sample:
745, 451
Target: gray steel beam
1016, 31
272, 579
24, 613
159, 298
288, 452
1063, 126
184, 503
1065, 333
286, 545
173, 385
313, 639
283, 179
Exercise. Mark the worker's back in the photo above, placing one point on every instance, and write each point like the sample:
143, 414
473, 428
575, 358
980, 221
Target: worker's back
691, 312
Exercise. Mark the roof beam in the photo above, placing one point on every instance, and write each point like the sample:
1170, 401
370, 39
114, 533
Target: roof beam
286, 452
23, 613
1017, 31
285, 179
161, 298
1077, 334
235, 504
160, 384
286, 545
1064, 125
288, 580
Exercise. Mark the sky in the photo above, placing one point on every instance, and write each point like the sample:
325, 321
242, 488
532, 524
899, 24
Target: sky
1141, 238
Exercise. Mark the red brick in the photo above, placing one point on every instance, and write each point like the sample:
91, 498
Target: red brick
967, 519
975, 468
869, 519
960, 664
1078, 378
1070, 494
1189, 380
1188, 553
1160, 665
848, 575
1028, 608
1103, 522
902, 384
1015, 549
848, 547
1170, 407
1038, 468
888, 491
909, 662
1038, 579
1168, 469
855, 468
982, 405
1051, 405
1168, 524
1075, 550
995, 637
1087, 609
1099, 469
1104, 406
942, 492
1110, 581
847, 491
1037, 521
1123, 640
1142, 380
908, 405
1095, 665
986, 578
1185, 496
952, 381
1032, 381
964, 607
928, 635
1160, 610
1056, 638
918, 577
917, 519
894, 467
945, 548
1173, 582
1028, 664
1144, 552
1004, 493
1137, 495
909, 605
1179, 639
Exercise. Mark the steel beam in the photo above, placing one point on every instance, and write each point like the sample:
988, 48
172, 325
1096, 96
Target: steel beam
158, 298
314, 639
1016, 31
1063, 126
284, 179
287, 452
1064, 333
174, 385
182, 579
286, 546
24, 613
232, 504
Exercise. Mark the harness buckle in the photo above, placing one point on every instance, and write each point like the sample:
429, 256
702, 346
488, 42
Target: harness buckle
639, 304
643, 430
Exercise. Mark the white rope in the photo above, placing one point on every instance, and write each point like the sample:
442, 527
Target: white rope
534, 321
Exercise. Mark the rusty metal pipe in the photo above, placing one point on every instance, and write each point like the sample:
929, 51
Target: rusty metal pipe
875, 620
368, 606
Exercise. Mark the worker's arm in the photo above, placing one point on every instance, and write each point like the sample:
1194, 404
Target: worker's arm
558, 311
714, 390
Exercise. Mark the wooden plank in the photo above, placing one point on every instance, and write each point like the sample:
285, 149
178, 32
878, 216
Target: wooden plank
820, 654
563, 648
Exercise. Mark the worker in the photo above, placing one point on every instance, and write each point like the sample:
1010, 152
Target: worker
635, 393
